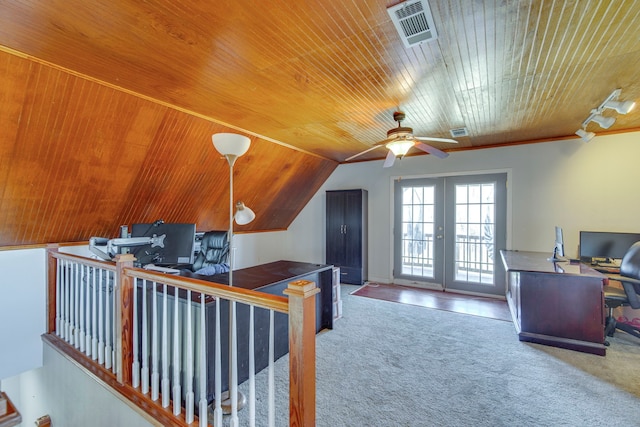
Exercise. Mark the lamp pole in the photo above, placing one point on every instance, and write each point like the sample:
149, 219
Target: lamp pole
233, 338
231, 146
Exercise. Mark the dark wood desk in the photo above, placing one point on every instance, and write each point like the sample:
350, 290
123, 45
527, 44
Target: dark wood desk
559, 304
271, 278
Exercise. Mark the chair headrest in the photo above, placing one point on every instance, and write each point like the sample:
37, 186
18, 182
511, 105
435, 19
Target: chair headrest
630, 265
214, 239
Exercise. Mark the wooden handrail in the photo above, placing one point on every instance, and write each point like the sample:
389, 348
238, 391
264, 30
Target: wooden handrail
245, 296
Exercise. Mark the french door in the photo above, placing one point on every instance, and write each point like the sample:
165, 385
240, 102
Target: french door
448, 232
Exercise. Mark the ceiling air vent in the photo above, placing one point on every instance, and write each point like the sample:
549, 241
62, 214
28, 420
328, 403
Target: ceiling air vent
459, 132
413, 21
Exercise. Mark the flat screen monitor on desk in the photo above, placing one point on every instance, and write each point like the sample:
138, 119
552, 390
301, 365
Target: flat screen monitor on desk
558, 248
178, 243
605, 246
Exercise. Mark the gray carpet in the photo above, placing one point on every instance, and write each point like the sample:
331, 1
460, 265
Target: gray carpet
391, 364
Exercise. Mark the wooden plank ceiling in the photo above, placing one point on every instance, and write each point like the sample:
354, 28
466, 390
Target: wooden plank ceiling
107, 108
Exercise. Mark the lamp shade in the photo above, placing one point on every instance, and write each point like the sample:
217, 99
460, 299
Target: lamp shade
400, 147
231, 143
243, 215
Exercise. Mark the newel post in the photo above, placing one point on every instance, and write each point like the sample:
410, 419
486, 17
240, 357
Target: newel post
123, 317
302, 352
52, 272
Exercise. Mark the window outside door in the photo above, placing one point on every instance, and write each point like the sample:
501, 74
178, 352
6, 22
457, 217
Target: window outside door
451, 232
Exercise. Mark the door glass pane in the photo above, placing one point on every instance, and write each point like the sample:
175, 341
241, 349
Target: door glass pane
417, 231
475, 230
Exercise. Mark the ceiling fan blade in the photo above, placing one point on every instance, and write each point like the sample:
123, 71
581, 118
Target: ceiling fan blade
388, 162
363, 152
428, 138
432, 150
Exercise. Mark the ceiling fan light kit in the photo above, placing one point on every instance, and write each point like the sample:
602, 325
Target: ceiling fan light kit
400, 147
401, 139
605, 122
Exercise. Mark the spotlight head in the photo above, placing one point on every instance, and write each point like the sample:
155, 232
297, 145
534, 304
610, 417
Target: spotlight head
584, 135
604, 122
622, 107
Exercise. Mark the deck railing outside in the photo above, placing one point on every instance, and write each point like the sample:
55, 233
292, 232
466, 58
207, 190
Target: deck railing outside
149, 331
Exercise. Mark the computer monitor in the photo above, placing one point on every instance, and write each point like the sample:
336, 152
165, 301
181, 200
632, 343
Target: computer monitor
558, 248
601, 245
178, 243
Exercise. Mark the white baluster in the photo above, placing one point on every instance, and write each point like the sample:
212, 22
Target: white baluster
203, 413
114, 341
217, 413
94, 314
76, 308
100, 319
145, 342
59, 277
81, 334
233, 387
189, 398
155, 375
72, 287
177, 391
63, 301
166, 395
67, 298
135, 366
107, 321
87, 308
272, 387
252, 370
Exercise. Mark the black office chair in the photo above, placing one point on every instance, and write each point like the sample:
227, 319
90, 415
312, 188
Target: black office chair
214, 250
628, 296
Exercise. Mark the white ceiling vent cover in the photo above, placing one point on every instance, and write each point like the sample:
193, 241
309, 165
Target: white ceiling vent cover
413, 21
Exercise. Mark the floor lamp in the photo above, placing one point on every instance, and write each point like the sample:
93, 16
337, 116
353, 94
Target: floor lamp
232, 146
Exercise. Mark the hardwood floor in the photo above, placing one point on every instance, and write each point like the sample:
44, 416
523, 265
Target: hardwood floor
459, 303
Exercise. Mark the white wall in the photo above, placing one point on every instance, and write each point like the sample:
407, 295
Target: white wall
70, 396
22, 310
576, 185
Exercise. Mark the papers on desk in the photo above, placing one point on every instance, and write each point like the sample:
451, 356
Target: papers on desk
166, 270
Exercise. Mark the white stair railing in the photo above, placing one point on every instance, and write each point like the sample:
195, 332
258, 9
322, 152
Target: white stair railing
167, 331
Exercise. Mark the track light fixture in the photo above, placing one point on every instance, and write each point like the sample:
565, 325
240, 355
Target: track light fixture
584, 135
604, 122
622, 107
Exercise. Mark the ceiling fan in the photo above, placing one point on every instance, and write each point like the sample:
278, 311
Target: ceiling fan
401, 139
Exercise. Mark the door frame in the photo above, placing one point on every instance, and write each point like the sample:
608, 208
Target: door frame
438, 286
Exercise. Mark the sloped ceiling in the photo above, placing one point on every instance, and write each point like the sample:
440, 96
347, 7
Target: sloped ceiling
107, 108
